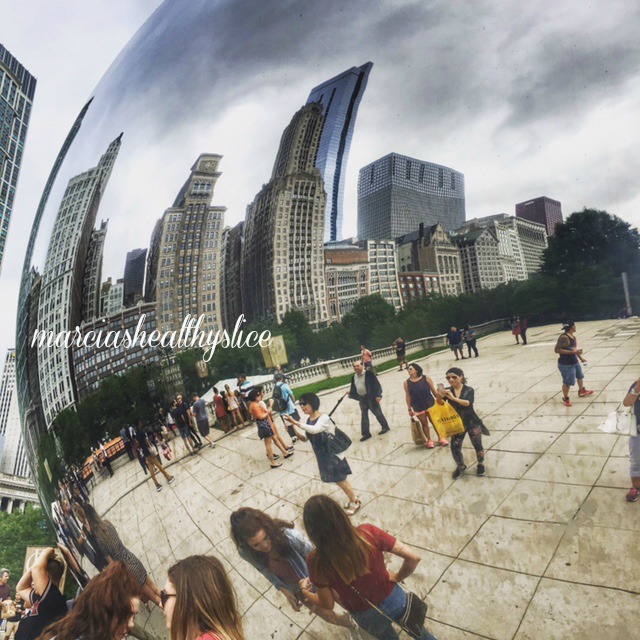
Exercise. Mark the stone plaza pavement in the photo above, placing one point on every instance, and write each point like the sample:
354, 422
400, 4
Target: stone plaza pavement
544, 546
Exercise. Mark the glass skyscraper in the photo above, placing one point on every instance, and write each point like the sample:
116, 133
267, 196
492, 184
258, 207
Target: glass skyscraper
340, 98
17, 87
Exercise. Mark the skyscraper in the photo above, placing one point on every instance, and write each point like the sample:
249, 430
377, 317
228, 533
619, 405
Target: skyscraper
230, 278
283, 253
185, 252
397, 193
542, 210
61, 292
17, 87
93, 274
340, 97
134, 269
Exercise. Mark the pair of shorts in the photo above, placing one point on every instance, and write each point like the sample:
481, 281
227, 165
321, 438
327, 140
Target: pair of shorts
401, 357
185, 434
570, 373
203, 427
455, 347
264, 429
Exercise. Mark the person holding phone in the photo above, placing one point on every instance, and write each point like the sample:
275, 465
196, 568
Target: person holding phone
420, 394
632, 399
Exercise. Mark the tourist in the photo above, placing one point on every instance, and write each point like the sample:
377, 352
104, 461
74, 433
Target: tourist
39, 590
105, 459
282, 401
367, 357
151, 457
524, 325
12, 623
139, 454
514, 322
182, 422
199, 601
199, 410
5, 589
420, 394
632, 399
461, 397
279, 552
244, 389
401, 352
279, 371
124, 434
234, 407
569, 361
113, 549
333, 467
222, 415
454, 340
367, 390
349, 560
186, 417
470, 340
105, 610
266, 428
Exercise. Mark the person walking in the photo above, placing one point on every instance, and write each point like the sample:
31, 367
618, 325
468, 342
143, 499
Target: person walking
283, 401
632, 399
367, 390
182, 422
331, 466
106, 608
266, 428
199, 410
420, 393
367, 357
401, 352
199, 601
514, 323
470, 339
454, 340
569, 361
461, 398
124, 434
151, 457
234, 407
222, 415
279, 552
524, 325
186, 417
105, 459
349, 561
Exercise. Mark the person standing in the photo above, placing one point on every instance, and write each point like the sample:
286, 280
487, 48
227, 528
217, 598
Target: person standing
454, 340
234, 407
470, 339
283, 401
367, 357
182, 416
332, 467
5, 589
265, 426
124, 434
632, 399
514, 322
569, 361
105, 460
349, 561
524, 325
199, 410
401, 352
461, 398
279, 552
420, 393
39, 589
366, 389
222, 415
152, 457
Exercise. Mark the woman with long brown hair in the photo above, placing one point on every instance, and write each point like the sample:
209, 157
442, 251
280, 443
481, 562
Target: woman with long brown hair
105, 610
199, 601
349, 560
112, 548
278, 552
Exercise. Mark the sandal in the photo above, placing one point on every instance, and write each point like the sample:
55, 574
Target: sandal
288, 455
276, 466
354, 507
430, 444
443, 443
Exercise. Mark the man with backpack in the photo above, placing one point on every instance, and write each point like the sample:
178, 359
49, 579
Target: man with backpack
282, 401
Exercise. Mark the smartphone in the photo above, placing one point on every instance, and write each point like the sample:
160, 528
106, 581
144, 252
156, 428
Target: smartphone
440, 387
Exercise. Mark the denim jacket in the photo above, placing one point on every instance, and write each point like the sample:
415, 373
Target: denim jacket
300, 549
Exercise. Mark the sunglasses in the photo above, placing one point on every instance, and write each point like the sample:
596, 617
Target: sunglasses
452, 377
164, 597
303, 404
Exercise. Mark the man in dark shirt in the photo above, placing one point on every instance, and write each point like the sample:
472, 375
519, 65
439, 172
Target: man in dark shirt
366, 389
454, 340
184, 420
5, 590
39, 590
401, 351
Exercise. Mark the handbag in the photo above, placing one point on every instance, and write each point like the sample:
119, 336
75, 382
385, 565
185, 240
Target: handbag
337, 442
622, 422
412, 620
446, 420
416, 432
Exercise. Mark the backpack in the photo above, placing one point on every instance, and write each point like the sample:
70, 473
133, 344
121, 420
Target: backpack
279, 403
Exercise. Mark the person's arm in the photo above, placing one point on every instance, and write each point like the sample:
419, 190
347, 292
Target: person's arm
376, 387
323, 597
411, 561
434, 391
463, 402
293, 601
633, 395
295, 425
407, 398
561, 347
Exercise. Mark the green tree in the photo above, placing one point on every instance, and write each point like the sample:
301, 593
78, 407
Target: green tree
367, 314
592, 238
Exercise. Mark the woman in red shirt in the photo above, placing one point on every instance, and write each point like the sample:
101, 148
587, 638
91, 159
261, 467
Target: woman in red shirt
349, 560
199, 601
266, 429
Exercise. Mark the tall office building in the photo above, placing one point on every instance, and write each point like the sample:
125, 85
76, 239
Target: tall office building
63, 278
111, 297
542, 210
346, 277
185, 252
283, 254
340, 98
480, 259
231, 277
17, 87
397, 193
134, 269
93, 274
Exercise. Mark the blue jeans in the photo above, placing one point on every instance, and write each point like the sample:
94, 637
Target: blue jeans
570, 372
378, 626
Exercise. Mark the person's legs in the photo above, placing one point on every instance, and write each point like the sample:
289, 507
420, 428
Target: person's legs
345, 485
194, 435
523, 334
151, 464
634, 468
424, 421
364, 417
376, 409
456, 450
268, 445
156, 463
185, 435
277, 437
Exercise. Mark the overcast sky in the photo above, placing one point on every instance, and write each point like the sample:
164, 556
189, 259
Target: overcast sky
524, 99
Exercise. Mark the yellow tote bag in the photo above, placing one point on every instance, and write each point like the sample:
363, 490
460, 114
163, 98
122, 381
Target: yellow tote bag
446, 420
